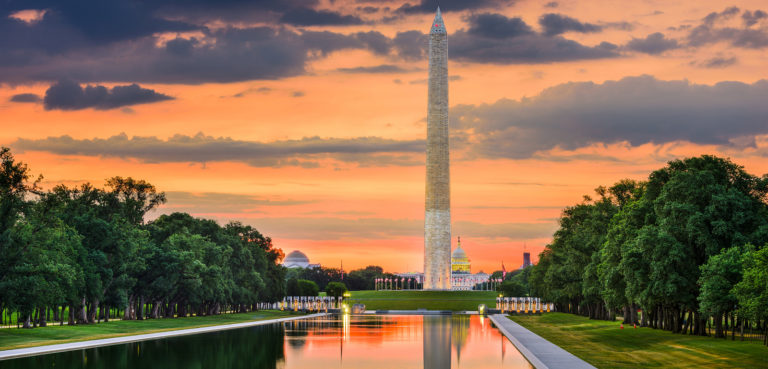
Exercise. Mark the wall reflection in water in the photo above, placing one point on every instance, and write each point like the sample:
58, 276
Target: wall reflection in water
368, 341
253, 348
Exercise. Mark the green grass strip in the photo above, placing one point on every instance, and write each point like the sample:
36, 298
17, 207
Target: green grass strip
604, 345
13, 338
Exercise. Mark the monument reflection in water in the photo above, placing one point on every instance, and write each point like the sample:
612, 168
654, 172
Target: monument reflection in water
382, 341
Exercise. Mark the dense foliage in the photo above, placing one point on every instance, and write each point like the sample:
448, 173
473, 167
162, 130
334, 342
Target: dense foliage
335, 289
676, 247
301, 287
355, 280
86, 252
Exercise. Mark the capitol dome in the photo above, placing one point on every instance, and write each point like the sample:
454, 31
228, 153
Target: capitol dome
459, 253
459, 260
296, 259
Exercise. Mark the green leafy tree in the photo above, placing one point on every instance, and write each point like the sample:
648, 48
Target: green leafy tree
292, 287
335, 289
308, 288
752, 291
512, 288
719, 275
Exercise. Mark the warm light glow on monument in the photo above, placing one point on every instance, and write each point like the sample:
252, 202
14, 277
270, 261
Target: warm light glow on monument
437, 217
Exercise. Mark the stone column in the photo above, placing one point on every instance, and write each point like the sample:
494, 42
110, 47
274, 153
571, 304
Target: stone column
437, 217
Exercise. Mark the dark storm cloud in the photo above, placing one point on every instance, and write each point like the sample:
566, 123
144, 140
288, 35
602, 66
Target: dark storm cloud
312, 17
492, 25
222, 55
68, 95
93, 41
91, 22
637, 110
525, 49
203, 149
653, 44
411, 45
494, 38
551, 4
228, 55
429, 6
367, 9
751, 18
327, 42
121, 18
555, 24
383, 68
375, 41
26, 98
713, 17
709, 31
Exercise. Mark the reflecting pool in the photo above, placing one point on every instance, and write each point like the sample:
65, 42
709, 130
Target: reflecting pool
358, 341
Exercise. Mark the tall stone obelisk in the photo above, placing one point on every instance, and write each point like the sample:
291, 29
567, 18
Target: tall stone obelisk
437, 217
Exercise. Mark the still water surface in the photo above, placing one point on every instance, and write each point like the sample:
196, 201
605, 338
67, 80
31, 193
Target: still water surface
381, 341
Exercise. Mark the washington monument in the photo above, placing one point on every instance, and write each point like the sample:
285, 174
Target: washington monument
437, 217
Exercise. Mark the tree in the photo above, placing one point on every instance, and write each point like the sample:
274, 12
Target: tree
335, 289
752, 290
644, 245
512, 288
292, 287
365, 278
88, 248
308, 288
133, 198
44, 271
719, 275
14, 187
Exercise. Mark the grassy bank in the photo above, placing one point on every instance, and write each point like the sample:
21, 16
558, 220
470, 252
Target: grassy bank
432, 300
11, 338
604, 345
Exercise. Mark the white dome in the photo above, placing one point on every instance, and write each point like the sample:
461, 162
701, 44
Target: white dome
459, 253
296, 259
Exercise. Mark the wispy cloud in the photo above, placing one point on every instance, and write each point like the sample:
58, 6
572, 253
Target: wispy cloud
306, 152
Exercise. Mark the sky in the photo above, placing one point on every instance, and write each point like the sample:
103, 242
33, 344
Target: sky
307, 118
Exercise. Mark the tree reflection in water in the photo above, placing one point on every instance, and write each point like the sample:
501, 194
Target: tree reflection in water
258, 347
357, 341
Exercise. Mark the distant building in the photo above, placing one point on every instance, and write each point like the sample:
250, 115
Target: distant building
526, 260
297, 259
459, 261
462, 278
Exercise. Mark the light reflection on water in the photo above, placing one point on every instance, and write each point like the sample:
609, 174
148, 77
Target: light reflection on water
380, 341
406, 341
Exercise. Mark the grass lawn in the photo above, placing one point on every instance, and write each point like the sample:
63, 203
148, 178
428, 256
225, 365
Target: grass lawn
432, 300
604, 345
12, 338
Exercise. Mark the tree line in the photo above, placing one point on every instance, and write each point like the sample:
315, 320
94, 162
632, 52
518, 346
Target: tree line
686, 248
83, 254
355, 280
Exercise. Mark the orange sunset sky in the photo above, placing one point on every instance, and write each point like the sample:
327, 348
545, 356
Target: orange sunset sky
306, 119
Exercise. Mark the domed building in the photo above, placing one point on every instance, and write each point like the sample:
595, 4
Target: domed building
462, 278
297, 259
459, 260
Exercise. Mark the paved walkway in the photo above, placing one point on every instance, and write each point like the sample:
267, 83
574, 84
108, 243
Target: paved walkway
541, 353
40, 350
